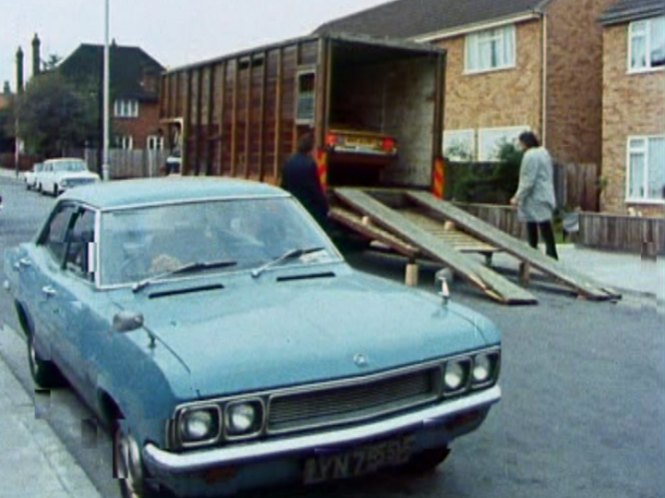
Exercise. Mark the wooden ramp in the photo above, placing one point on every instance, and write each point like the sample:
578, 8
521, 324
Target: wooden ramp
580, 283
396, 230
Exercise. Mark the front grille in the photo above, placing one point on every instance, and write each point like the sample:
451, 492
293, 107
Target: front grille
353, 402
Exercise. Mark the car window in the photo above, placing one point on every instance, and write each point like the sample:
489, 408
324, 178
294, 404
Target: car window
139, 243
54, 235
80, 237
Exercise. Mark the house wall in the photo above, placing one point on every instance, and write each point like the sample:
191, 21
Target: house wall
632, 105
146, 124
574, 80
501, 98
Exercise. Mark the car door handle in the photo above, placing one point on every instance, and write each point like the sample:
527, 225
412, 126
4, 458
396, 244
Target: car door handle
22, 263
48, 291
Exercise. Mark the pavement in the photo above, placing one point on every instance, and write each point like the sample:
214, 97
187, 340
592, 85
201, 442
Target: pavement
44, 467
34, 461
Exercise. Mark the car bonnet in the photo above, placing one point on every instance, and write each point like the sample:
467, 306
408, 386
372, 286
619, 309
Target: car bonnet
269, 335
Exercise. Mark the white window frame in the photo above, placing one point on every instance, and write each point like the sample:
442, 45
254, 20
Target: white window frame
125, 142
155, 142
126, 108
647, 46
452, 135
304, 72
483, 155
498, 32
644, 150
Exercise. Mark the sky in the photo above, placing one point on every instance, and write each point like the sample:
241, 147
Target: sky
173, 32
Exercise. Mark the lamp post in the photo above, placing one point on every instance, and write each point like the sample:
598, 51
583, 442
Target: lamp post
105, 146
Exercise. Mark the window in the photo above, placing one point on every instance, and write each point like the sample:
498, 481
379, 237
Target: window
646, 169
53, 236
306, 87
80, 243
490, 141
646, 44
124, 108
125, 142
459, 145
155, 142
490, 49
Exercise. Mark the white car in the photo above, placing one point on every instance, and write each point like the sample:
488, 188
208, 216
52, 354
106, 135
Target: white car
61, 174
30, 177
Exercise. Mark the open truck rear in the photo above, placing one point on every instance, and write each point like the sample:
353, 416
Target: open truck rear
375, 107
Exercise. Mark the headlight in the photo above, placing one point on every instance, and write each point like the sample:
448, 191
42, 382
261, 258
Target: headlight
456, 375
482, 368
244, 418
199, 425
485, 368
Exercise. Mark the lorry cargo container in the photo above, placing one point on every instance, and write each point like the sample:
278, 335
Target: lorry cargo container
375, 107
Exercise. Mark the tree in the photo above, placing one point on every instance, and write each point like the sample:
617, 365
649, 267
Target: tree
54, 115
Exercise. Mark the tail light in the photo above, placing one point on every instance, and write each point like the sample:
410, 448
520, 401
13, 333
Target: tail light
331, 139
389, 144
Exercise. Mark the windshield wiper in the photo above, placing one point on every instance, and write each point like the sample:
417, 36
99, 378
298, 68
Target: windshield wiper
188, 268
290, 254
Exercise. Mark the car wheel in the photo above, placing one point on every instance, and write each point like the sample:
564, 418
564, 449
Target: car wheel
40, 189
44, 373
128, 465
55, 190
427, 461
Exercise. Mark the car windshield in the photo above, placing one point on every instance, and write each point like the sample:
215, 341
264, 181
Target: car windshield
141, 243
72, 166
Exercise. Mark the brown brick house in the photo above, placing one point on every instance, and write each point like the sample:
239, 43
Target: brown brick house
512, 65
134, 91
634, 107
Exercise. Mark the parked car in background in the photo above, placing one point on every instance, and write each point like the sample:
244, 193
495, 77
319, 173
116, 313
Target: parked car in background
61, 174
30, 177
223, 337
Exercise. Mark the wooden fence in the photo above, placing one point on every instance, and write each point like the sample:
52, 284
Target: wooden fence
577, 186
127, 163
602, 231
623, 233
502, 217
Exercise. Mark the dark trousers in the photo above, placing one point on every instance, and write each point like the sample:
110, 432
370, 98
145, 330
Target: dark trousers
546, 231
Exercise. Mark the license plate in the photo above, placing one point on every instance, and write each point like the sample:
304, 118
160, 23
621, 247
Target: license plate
358, 461
361, 142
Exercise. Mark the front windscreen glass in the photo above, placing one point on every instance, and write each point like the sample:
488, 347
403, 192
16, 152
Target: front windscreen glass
145, 242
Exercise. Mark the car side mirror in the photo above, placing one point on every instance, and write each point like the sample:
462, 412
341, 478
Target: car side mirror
126, 321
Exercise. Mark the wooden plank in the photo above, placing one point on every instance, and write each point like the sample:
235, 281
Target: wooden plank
234, 119
373, 232
278, 115
459, 240
473, 271
262, 111
222, 109
484, 231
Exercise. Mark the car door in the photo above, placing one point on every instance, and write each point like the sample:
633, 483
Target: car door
79, 328
36, 265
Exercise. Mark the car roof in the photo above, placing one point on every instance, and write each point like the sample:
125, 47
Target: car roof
125, 193
63, 159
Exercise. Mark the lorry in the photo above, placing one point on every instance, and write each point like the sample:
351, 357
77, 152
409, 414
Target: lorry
374, 106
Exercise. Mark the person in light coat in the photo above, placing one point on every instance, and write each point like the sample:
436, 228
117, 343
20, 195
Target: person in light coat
534, 198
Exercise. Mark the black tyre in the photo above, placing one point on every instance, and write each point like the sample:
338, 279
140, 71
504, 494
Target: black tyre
44, 373
427, 461
128, 465
55, 190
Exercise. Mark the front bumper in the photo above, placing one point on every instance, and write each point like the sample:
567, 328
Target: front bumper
165, 463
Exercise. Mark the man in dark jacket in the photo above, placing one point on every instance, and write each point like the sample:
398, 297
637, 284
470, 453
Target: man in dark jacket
300, 177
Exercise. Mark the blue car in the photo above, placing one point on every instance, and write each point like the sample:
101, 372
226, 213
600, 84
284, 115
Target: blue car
214, 327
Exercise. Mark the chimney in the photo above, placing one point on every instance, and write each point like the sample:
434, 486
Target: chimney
19, 71
36, 56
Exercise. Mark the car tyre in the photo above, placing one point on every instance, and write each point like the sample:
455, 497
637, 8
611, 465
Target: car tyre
128, 465
40, 189
55, 190
45, 373
427, 461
